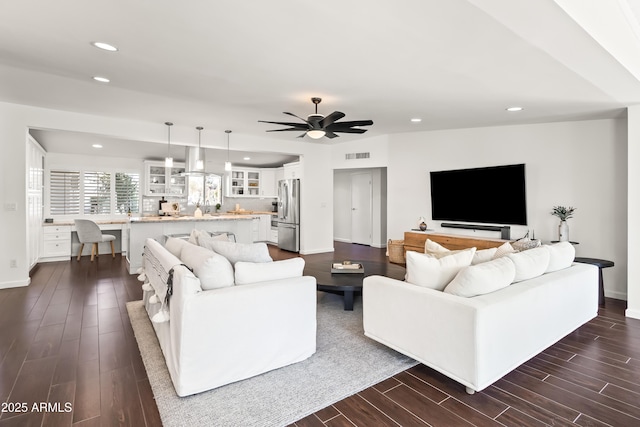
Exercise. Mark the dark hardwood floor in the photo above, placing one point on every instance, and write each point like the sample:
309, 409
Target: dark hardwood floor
66, 345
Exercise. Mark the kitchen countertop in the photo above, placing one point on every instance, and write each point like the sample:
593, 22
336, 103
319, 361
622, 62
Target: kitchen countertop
167, 218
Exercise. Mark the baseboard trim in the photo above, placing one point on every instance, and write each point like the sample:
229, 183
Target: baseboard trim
15, 283
615, 295
338, 239
316, 251
634, 314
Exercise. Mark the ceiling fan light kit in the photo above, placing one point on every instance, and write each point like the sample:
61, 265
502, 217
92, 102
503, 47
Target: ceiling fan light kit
317, 126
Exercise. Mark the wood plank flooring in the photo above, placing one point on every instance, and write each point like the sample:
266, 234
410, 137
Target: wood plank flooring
66, 345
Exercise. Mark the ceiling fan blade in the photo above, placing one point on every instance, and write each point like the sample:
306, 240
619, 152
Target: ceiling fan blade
333, 117
291, 114
331, 135
284, 130
348, 130
302, 136
352, 123
298, 125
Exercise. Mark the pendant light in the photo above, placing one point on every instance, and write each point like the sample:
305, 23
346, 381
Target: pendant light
168, 161
227, 164
200, 161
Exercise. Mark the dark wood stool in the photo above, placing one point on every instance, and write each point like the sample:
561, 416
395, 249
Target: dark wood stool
600, 263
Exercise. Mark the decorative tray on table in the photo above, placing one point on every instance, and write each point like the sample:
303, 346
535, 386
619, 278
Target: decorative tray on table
347, 267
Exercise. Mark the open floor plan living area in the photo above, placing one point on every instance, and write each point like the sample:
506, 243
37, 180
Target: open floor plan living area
285, 213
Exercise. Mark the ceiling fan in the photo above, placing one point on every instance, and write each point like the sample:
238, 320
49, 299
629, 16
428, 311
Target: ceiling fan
316, 126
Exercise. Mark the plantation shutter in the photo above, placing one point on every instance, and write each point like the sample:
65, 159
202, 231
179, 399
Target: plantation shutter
64, 192
127, 192
97, 193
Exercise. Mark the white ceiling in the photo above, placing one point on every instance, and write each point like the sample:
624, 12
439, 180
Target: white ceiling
227, 64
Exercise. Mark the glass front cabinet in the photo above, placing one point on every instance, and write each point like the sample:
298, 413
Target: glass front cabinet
164, 181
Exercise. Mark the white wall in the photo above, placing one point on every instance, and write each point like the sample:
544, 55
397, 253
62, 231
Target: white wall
582, 164
15, 120
633, 266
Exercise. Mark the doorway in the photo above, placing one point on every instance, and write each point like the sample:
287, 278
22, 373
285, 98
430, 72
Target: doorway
361, 208
365, 190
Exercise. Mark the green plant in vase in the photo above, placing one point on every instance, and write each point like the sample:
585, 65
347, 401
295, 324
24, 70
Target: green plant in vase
564, 213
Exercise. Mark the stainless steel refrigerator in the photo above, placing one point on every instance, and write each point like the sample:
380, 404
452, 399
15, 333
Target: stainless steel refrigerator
289, 215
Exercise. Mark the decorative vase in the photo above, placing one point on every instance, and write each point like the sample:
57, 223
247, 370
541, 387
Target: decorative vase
198, 212
423, 226
563, 231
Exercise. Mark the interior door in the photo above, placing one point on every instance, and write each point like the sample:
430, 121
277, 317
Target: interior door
361, 211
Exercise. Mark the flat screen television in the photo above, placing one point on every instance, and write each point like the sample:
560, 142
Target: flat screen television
492, 195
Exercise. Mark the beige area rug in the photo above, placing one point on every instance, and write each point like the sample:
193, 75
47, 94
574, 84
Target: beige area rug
345, 363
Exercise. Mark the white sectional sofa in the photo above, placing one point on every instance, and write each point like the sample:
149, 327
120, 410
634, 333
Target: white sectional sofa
230, 331
477, 340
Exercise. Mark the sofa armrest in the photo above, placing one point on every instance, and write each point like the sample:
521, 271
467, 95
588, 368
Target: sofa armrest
430, 326
245, 330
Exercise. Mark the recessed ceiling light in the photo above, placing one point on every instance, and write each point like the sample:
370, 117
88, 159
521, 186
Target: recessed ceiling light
246, 158
416, 120
97, 146
105, 46
101, 79
513, 109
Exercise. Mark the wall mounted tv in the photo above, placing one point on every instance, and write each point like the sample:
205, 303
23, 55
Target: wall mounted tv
493, 195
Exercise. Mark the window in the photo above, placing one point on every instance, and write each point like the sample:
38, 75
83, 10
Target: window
97, 193
127, 192
64, 192
204, 189
93, 192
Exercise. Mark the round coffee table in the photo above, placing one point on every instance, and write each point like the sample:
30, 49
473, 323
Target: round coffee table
350, 284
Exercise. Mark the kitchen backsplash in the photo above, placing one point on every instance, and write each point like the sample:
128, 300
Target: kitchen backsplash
150, 205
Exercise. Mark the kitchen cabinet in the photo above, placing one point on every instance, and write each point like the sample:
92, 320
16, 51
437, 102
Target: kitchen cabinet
273, 235
292, 170
245, 183
264, 227
164, 181
268, 186
56, 243
279, 177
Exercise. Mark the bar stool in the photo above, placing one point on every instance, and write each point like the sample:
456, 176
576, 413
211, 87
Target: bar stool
600, 263
89, 232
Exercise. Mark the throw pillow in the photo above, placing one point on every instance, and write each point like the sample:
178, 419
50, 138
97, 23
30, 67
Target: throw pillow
503, 250
483, 255
531, 263
431, 272
175, 245
561, 255
483, 278
252, 272
213, 270
249, 252
525, 243
431, 247
205, 239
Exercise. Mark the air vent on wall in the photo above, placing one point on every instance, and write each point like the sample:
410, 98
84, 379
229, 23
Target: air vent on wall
351, 156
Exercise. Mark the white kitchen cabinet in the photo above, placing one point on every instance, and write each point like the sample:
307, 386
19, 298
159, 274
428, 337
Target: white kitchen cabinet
292, 170
163, 181
268, 187
273, 235
279, 177
255, 229
245, 183
56, 243
264, 228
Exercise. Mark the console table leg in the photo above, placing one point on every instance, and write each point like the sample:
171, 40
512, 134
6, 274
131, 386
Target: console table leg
348, 300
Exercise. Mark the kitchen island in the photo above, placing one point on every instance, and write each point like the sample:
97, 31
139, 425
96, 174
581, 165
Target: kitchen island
158, 226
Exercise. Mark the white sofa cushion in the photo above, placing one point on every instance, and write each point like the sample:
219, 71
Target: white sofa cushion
205, 239
253, 272
435, 273
483, 255
175, 245
432, 248
482, 278
213, 270
561, 255
249, 252
530, 263
504, 249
